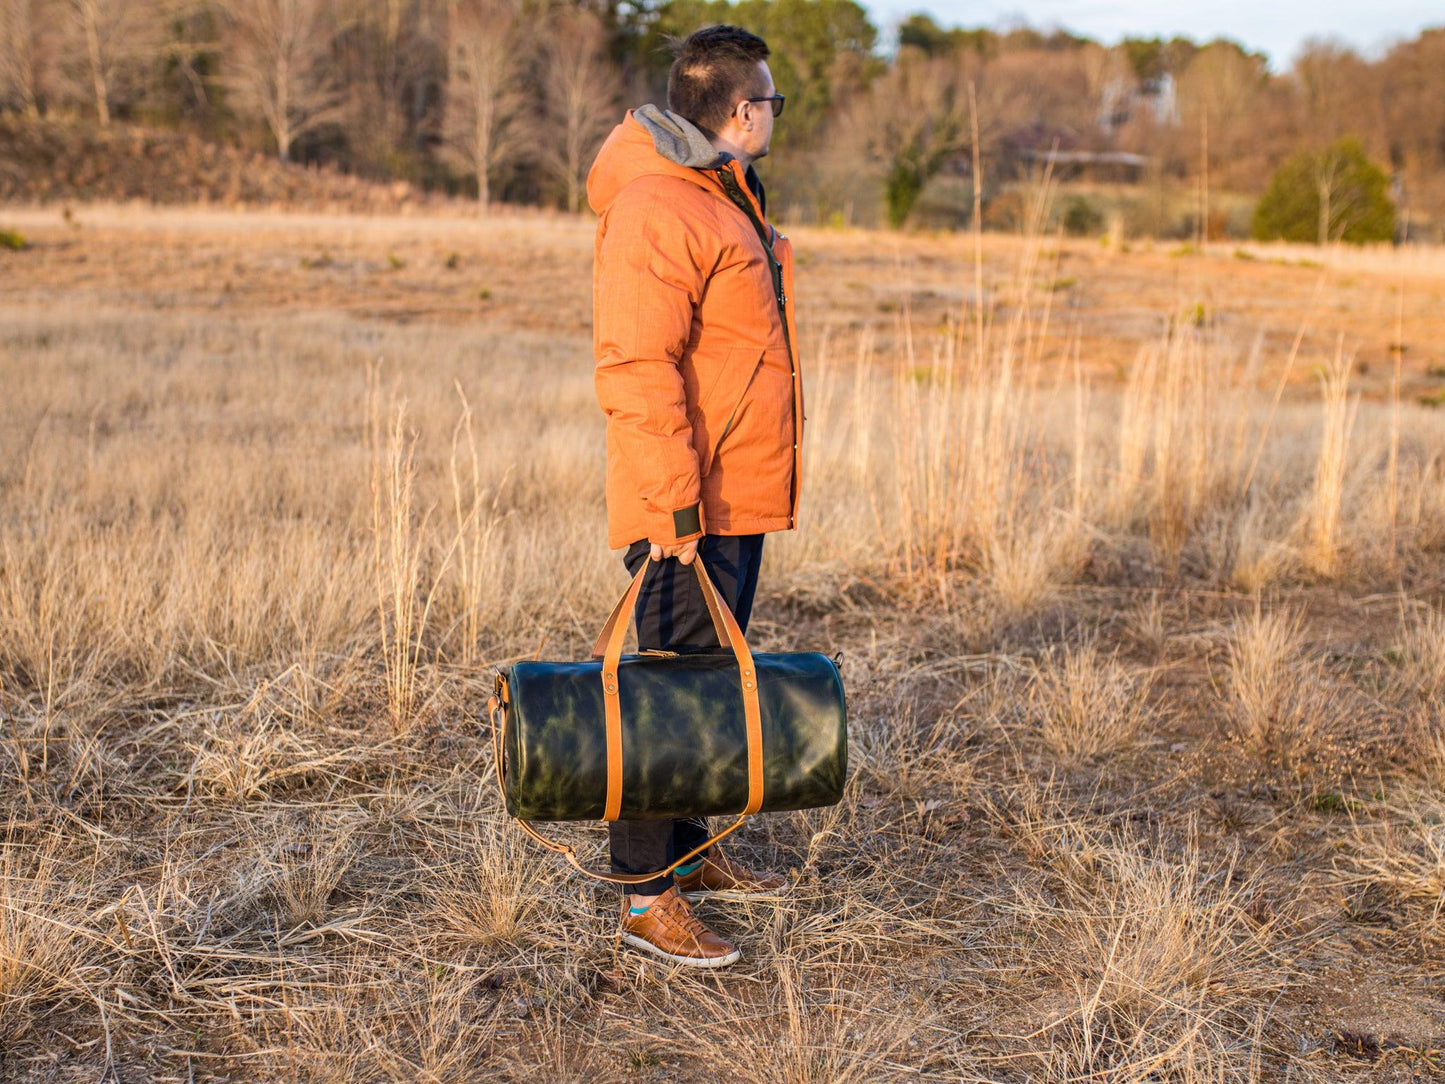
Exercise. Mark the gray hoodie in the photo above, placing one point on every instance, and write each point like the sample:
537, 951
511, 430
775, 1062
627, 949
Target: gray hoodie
680, 140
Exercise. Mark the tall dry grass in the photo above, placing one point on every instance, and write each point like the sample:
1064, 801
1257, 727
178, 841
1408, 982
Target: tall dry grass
1089, 705
403, 602
1327, 497
1168, 965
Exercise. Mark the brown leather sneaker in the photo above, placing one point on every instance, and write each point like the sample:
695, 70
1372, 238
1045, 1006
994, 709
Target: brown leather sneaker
720, 878
669, 929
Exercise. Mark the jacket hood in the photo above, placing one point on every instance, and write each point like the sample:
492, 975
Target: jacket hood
649, 141
678, 139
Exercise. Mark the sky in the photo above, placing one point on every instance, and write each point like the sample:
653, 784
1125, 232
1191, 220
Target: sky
1276, 27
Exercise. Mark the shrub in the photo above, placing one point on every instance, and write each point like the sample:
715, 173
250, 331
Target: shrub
12, 239
1336, 194
1082, 218
901, 190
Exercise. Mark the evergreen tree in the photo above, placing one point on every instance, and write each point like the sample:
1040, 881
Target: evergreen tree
1336, 194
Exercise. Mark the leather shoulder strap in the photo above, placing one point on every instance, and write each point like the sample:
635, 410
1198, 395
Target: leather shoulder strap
730, 634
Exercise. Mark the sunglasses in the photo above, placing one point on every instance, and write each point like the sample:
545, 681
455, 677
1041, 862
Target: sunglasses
776, 99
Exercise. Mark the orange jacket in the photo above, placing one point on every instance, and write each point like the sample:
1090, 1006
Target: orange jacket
693, 335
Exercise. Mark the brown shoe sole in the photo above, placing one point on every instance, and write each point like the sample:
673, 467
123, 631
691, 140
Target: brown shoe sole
686, 961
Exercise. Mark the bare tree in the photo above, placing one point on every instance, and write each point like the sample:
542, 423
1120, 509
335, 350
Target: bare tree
119, 40
484, 99
20, 56
393, 57
1342, 201
1337, 92
1337, 96
1221, 91
1413, 100
87, 12
280, 66
914, 120
581, 88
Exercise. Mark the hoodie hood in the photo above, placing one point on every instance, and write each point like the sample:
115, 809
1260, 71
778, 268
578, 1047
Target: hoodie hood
650, 142
678, 139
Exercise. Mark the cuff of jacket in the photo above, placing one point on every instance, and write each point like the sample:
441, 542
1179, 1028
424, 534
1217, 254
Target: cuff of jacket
678, 526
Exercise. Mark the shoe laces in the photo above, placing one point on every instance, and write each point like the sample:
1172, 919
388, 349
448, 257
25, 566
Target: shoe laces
682, 916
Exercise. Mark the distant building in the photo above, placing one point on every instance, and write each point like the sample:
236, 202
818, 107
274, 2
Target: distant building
1125, 99
1096, 165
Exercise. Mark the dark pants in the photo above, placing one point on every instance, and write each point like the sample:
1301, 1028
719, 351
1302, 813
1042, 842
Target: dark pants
672, 615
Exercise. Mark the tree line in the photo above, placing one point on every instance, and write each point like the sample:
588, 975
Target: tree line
509, 99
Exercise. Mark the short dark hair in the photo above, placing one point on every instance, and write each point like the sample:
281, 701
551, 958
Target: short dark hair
712, 69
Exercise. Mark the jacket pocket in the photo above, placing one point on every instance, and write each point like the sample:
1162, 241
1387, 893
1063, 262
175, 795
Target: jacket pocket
756, 363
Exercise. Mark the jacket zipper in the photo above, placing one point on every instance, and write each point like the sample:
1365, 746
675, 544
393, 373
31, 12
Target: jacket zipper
730, 186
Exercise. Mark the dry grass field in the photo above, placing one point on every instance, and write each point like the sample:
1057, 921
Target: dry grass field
1136, 559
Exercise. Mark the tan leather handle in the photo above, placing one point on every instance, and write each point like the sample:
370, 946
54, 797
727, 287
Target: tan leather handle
625, 607
609, 646
494, 708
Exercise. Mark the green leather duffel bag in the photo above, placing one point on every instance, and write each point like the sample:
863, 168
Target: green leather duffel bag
659, 734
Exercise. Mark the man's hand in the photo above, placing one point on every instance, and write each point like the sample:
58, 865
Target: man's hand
684, 553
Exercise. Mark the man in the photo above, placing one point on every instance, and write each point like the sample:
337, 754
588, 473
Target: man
697, 375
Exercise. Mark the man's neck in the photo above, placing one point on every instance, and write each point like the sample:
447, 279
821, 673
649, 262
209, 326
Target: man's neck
723, 143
